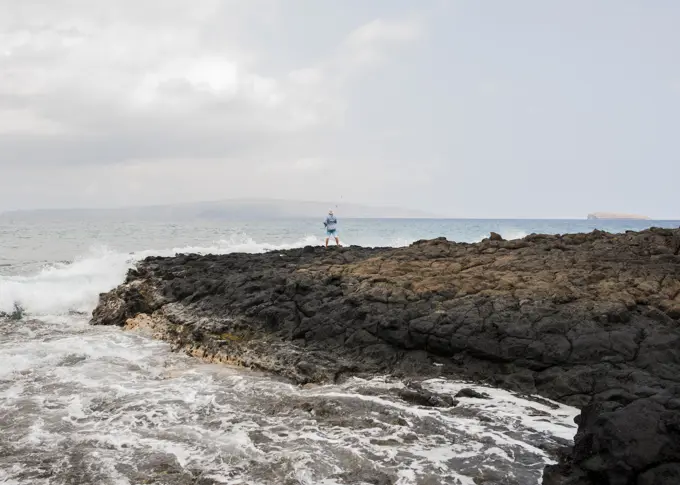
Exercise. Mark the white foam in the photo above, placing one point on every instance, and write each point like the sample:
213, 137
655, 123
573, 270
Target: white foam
61, 288
509, 407
123, 398
509, 234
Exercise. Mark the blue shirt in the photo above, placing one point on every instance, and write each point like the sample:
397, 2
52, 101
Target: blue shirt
331, 223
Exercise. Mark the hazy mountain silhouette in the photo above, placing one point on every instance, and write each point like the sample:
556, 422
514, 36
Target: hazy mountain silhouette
224, 210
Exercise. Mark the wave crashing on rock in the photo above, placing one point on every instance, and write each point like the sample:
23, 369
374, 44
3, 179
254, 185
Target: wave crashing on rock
591, 320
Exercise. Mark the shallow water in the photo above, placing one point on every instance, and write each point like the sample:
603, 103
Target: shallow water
82, 404
96, 405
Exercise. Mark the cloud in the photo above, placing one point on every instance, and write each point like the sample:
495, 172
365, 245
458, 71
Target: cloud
25, 122
381, 32
428, 105
84, 67
139, 80
370, 44
128, 92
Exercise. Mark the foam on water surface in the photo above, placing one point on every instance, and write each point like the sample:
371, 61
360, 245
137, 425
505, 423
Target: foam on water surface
100, 405
83, 404
63, 287
60, 288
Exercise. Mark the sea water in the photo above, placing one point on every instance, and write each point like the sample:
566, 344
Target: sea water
96, 405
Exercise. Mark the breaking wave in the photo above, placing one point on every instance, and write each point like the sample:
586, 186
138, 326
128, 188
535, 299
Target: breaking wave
507, 234
83, 404
61, 288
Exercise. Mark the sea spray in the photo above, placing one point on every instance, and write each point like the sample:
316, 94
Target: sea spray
61, 288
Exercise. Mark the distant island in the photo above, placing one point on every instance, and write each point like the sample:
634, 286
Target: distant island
615, 215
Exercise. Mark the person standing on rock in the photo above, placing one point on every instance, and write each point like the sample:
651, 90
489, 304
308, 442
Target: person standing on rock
331, 224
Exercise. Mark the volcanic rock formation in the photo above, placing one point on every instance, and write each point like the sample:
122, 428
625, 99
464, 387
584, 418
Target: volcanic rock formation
591, 320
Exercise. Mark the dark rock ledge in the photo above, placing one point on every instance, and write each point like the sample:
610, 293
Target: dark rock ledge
591, 320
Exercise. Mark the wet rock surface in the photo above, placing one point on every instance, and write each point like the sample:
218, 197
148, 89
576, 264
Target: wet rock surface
591, 320
416, 394
467, 392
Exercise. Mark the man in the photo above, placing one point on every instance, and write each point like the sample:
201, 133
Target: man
331, 228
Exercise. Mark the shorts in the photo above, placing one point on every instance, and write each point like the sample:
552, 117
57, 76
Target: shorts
331, 233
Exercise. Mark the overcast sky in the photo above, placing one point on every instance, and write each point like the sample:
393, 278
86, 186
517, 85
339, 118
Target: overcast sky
471, 109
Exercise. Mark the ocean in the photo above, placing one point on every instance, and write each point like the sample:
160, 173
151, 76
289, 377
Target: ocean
94, 405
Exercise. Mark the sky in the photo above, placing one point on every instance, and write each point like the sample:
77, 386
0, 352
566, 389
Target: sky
497, 109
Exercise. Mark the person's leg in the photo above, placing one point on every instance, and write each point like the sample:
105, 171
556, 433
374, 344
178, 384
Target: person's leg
337, 241
327, 241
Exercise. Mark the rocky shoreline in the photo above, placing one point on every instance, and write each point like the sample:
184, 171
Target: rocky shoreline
591, 320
